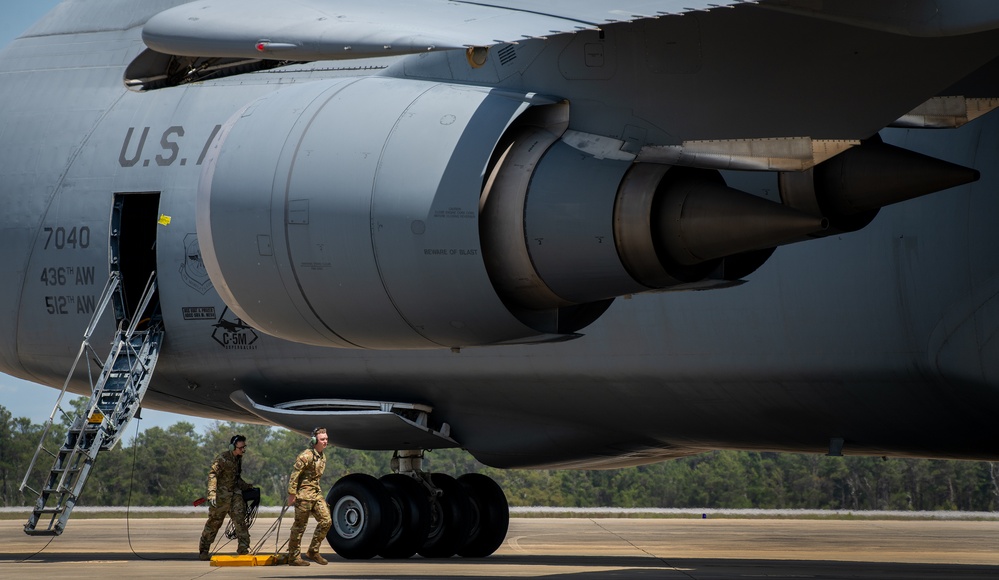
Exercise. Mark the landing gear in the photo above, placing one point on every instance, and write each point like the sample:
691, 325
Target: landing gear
411, 503
401, 514
362, 518
451, 521
490, 516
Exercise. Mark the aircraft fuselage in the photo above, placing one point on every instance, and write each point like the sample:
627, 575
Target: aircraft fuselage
882, 338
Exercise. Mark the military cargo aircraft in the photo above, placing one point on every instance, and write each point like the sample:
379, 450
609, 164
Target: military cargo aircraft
556, 234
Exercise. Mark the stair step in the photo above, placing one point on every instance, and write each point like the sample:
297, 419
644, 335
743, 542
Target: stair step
48, 511
35, 532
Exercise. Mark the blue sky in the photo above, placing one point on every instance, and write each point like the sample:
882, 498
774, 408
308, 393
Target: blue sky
18, 15
22, 398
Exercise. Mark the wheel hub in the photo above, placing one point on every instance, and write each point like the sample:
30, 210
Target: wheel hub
348, 517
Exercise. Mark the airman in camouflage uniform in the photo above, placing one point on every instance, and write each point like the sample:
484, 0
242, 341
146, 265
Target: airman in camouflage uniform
307, 497
225, 497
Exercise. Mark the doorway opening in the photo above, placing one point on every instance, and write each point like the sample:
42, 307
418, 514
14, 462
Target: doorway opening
133, 249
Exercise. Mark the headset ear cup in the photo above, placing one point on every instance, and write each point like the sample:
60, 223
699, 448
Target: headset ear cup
232, 447
313, 441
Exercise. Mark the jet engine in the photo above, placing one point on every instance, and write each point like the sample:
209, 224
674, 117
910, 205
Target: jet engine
396, 214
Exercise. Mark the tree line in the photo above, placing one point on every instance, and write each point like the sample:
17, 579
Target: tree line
168, 467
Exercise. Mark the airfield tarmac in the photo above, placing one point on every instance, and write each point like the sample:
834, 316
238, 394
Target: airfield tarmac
553, 548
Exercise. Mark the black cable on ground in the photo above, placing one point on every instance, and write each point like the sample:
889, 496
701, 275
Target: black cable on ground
639, 548
36, 553
128, 504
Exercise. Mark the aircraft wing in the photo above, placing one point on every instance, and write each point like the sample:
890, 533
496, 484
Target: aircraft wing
306, 30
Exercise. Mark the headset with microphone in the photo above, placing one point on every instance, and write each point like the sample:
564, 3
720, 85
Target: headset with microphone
313, 440
232, 442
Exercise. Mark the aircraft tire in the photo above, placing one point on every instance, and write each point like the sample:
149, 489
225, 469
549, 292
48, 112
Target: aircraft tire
491, 519
450, 519
412, 522
362, 516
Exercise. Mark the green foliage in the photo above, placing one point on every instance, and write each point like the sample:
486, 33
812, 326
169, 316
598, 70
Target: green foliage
170, 468
16, 436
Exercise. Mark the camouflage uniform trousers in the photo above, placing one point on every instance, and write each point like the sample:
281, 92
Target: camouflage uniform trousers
303, 508
235, 508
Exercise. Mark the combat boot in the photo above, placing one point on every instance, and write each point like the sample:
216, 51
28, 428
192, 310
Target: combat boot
204, 556
315, 557
297, 561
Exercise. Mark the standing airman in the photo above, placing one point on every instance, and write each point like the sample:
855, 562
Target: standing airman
225, 497
306, 495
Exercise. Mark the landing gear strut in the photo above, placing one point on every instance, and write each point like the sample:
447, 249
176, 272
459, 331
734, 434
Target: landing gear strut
412, 512
451, 521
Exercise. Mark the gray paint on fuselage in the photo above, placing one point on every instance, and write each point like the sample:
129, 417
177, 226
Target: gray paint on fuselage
873, 336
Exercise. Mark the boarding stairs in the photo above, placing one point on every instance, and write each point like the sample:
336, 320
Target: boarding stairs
116, 396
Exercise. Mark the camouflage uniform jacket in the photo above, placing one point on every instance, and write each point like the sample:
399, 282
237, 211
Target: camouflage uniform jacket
224, 476
304, 482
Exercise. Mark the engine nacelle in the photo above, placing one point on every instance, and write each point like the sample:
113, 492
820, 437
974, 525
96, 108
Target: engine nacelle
454, 216
326, 226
